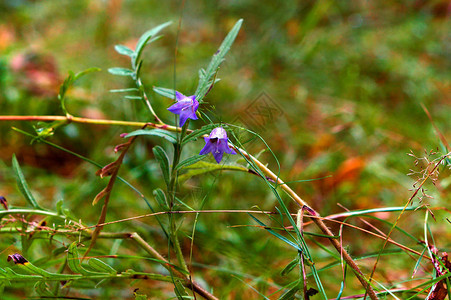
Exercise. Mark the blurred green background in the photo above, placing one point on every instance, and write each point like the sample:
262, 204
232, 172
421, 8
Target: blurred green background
335, 88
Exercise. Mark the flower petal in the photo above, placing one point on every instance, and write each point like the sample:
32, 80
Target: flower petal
229, 150
183, 118
219, 133
209, 147
193, 116
195, 105
223, 146
176, 108
179, 96
218, 155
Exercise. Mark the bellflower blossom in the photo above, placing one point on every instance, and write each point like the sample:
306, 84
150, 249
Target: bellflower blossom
186, 107
217, 144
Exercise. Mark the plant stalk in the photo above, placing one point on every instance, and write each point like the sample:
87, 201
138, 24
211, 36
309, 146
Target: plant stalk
171, 191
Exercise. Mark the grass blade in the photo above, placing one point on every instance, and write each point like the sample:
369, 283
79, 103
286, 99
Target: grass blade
145, 39
168, 93
163, 160
154, 132
121, 71
189, 161
279, 236
22, 183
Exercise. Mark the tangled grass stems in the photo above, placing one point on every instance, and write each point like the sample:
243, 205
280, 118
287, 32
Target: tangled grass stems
318, 220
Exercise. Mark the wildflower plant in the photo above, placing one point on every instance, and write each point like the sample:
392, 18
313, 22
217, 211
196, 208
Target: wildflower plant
218, 139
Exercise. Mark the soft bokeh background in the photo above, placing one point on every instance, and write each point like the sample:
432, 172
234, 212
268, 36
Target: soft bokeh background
335, 88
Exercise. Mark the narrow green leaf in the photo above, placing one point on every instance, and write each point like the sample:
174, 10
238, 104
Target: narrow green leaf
124, 50
161, 198
59, 207
63, 90
168, 93
66, 84
42, 289
279, 236
163, 160
33, 270
198, 133
37, 272
101, 266
190, 161
291, 293
85, 72
11, 275
202, 73
72, 259
121, 71
133, 97
124, 90
290, 267
146, 38
180, 291
22, 183
206, 77
154, 132
74, 262
417, 264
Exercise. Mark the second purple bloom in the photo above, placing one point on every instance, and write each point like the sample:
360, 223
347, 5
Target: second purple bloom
217, 143
185, 107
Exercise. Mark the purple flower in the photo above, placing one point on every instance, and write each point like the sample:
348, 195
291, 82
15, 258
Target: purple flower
186, 107
217, 144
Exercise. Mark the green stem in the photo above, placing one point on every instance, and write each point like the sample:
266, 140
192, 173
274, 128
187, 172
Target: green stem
172, 191
141, 89
146, 100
